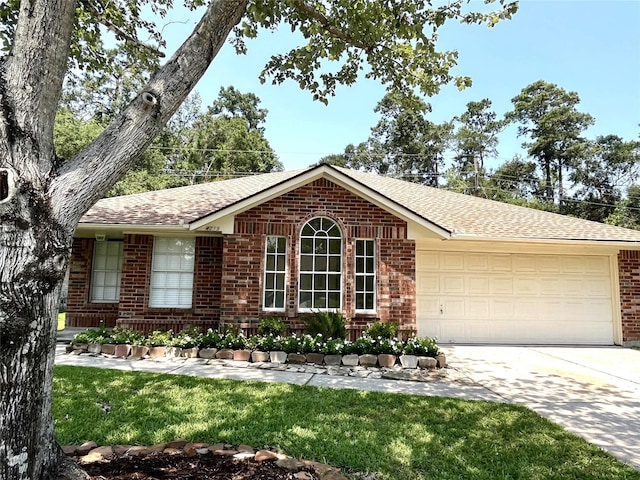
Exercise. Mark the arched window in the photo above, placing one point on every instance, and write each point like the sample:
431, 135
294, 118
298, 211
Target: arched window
320, 285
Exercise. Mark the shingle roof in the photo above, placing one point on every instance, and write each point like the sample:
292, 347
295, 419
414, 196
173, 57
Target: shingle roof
461, 215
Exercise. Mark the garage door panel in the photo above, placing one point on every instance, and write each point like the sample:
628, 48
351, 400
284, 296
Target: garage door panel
514, 298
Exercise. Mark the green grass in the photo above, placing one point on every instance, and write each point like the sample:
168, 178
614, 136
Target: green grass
61, 319
397, 437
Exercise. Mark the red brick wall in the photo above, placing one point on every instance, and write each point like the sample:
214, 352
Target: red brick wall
80, 311
134, 293
243, 255
629, 274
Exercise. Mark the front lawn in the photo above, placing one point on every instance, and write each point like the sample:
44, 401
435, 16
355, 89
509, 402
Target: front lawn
397, 437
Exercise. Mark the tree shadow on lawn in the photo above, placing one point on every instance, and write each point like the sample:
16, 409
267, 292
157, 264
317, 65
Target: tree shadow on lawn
395, 436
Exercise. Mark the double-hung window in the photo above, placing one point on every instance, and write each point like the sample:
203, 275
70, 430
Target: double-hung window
106, 272
172, 272
320, 282
365, 275
275, 273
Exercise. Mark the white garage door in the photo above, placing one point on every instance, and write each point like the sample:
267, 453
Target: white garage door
514, 298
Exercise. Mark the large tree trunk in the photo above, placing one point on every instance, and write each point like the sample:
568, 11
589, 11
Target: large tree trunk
43, 197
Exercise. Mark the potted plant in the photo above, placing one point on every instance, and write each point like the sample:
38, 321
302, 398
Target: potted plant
292, 347
260, 346
273, 344
332, 350
123, 338
209, 344
311, 347
190, 339
240, 346
157, 342
226, 346
364, 347
387, 350
350, 357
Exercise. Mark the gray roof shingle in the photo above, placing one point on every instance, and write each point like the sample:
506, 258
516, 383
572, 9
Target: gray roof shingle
462, 215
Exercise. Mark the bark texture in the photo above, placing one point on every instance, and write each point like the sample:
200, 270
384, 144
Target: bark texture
48, 196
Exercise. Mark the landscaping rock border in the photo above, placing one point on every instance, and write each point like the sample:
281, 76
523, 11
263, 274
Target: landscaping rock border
90, 452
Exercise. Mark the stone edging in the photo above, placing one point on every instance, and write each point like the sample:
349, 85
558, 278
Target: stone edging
90, 452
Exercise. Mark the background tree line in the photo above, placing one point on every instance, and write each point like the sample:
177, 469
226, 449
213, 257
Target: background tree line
564, 172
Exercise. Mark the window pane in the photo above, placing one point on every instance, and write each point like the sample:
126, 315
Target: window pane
269, 281
359, 265
280, 263
271, 244
359, 284
359, 247
172, 272
334, 264
370, 267
334, 300
320, 282
321, 264
305, 282
279, 301
305, 300
334, 282
280, 281
320, 300
306, 245
369, 287
370, 249
269, 298
106, 271
360, 301
369, 301
321, 245
282, 245
271, 263
335, 246
315, 224
306, 263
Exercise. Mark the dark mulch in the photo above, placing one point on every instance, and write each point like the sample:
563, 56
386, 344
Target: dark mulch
184, 467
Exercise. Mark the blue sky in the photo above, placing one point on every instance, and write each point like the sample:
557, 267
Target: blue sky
591, 47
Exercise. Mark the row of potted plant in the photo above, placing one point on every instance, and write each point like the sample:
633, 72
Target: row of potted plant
366, 350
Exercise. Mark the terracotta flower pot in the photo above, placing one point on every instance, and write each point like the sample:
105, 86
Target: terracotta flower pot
139, 351
109, 349
278, 356
368, 360
123, 350
258, 357
242, 355
297, 358
208, 353
189, 352
157, 351
317, 358
225, 354
333, 360
386, 360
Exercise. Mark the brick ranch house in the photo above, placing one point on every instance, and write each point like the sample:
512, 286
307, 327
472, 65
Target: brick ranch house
286, 244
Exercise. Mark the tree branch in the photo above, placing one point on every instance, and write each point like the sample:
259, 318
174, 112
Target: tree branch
119, 31
88, 176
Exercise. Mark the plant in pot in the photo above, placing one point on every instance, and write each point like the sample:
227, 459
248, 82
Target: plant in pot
124, 338
257, 354
157, 342
332, 350
209, 344
240, 346
416, 347
139, 348
311, 346
427, 351
272, 345
227, 342
292, 347
387, 349
189, 341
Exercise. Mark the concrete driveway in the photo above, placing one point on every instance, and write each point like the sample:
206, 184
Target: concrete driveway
593, 392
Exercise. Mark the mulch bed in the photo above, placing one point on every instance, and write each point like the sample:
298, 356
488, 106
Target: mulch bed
201, 467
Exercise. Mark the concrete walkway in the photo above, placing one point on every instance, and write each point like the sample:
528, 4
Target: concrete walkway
592, 392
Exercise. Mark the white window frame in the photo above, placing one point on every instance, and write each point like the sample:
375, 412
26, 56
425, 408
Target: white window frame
365, 266
172, 272
278, 273
314, 274
106, 272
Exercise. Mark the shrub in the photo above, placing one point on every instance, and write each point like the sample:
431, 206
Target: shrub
99, 335
234, 342
291, 344
125, 335
382, 330
309, 344
268, 343
391, 346
187, 338
333, 346
361, 346
159, 338
327, 324
210, 339
272, 326
421, 346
